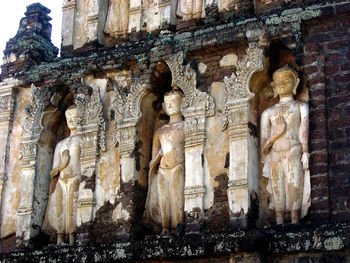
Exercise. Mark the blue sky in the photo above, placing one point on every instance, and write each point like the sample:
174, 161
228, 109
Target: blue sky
12, 11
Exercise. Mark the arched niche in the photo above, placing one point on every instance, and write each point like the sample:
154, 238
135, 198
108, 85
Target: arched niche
197, 107
279, 55
241, 122
153, 117
42, 129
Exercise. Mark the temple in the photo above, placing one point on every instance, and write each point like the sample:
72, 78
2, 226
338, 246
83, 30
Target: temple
177, 131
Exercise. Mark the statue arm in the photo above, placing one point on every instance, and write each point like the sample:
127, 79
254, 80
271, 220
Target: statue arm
75, 158
304, 134
304, 127
269, 140
59, 163
265, 131
156, 150
56, 161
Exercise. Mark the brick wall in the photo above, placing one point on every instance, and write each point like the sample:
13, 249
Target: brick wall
327, 68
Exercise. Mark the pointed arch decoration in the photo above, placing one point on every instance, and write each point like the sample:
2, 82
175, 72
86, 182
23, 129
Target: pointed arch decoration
239, 120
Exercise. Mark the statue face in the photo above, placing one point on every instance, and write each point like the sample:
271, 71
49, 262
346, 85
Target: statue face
72, 119
172, 104
284, 82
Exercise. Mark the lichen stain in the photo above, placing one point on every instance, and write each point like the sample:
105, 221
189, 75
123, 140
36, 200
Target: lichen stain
12, 191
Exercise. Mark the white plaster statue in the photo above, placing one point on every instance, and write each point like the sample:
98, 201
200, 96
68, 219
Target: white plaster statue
65, 179
189, 9
165, 199
118, 18
284, 146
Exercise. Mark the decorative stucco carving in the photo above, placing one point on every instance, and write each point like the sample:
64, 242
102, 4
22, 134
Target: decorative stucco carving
91, 118
127, 113
185, 78
28, 154
243, 171
34, 113
237, 85
198, 104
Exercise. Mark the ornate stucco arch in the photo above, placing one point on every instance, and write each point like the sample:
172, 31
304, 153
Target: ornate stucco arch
243, 169
185, 78
197, 107
128, 113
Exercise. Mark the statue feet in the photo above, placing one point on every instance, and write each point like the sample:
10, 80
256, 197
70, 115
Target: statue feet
279, 218
296, 216
61, 238
165, 232
71, 239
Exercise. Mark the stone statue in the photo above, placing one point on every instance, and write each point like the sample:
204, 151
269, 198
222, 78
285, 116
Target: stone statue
65, 179
284, 147
189, 9
117, 23
165, 199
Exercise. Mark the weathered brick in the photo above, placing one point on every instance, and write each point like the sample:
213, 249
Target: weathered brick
331, 69
311, 47
318, 168
334, 58
311, 69
340, 44
315, 81
320, 205
328, 10
344, 8
319, 157
319, 181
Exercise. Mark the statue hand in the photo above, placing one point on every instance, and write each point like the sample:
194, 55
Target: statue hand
281, 125
305, 160
54, 172
265, 148
156, 159
65, 156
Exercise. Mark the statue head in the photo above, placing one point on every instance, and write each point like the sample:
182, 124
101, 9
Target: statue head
285, 82
72, 117
173, 101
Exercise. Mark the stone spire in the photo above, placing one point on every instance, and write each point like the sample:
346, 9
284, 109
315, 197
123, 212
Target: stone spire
32, 43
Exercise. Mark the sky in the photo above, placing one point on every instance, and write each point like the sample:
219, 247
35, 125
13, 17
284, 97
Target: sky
12, 11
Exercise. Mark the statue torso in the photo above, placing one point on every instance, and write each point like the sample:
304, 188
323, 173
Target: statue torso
72, 144
290, 112
172, 141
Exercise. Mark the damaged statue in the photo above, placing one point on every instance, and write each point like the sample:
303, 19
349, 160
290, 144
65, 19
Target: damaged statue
65, 179
118, 18
284, 149
189, 9
165, 198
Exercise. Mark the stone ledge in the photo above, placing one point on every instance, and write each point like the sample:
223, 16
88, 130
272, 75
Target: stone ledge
264, 242
155, 49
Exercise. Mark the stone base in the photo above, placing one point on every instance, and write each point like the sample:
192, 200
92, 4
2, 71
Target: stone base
288, 243
238, 223
83, 236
